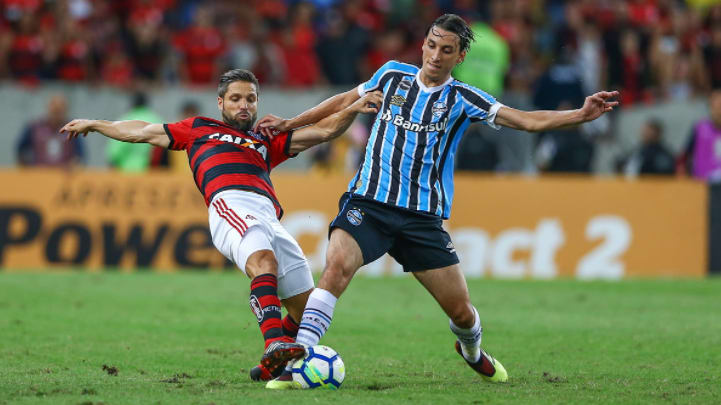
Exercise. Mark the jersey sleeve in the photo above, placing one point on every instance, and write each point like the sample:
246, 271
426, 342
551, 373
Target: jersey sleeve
280, 149
374, 82
480, 106
180, 133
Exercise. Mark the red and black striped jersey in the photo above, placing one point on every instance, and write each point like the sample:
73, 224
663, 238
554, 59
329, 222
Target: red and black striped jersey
223, 158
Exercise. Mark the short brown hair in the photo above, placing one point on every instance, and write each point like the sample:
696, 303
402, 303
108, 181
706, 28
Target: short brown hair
236, 75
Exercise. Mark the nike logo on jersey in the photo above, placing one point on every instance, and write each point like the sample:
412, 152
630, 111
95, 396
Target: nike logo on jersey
399, 121
239, 140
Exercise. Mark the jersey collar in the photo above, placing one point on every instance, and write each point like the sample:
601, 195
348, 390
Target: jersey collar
431, 89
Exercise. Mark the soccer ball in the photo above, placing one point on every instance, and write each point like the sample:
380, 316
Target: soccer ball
321, 367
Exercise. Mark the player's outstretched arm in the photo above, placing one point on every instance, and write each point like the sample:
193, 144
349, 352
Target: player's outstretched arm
327, 107
336, 124
594, 106
126, 131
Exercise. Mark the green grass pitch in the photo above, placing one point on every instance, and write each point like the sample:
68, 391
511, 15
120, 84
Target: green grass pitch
147, 338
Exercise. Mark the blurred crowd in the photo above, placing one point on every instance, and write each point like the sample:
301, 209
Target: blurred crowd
648, 49
531, 54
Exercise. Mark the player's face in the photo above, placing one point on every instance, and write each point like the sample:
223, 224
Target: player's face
441, 53
240, 105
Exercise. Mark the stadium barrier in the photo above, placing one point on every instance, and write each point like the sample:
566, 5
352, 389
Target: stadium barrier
714, 239
109, 103
513, 227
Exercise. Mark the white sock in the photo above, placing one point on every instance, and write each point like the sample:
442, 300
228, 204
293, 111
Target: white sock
317, 317
470, 338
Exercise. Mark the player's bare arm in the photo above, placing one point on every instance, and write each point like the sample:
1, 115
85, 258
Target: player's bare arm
126, 131
594, 106
329, 106
336, 124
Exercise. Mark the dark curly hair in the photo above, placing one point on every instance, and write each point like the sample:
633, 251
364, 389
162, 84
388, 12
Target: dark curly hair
456, 25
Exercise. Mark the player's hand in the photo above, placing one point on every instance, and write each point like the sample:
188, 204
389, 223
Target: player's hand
271, 125
598, 103
369, 103
77, 127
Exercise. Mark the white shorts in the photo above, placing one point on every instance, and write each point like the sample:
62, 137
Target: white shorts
242, 223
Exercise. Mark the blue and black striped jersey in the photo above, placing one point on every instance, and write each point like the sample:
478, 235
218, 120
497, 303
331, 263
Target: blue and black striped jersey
409, 159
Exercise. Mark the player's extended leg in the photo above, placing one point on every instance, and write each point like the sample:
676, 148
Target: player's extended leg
244, 228
448, 286
295, 283
295, 279
294, 305
343, 259
261, 267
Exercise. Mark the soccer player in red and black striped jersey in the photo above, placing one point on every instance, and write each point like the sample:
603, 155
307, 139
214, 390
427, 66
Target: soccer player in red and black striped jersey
231, 166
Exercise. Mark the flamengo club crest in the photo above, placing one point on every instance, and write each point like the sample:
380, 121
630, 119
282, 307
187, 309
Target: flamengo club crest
255, 306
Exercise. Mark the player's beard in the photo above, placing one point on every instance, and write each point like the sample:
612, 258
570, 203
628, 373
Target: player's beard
239, 124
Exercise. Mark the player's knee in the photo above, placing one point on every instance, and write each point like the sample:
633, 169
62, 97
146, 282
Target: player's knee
267, 262
462, 315
337, 265
335, 278
334, 272
261, 262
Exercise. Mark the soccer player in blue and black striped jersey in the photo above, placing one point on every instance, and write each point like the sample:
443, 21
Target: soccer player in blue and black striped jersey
403, 189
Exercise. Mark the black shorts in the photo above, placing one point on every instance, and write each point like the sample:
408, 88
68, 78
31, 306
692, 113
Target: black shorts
417, 241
